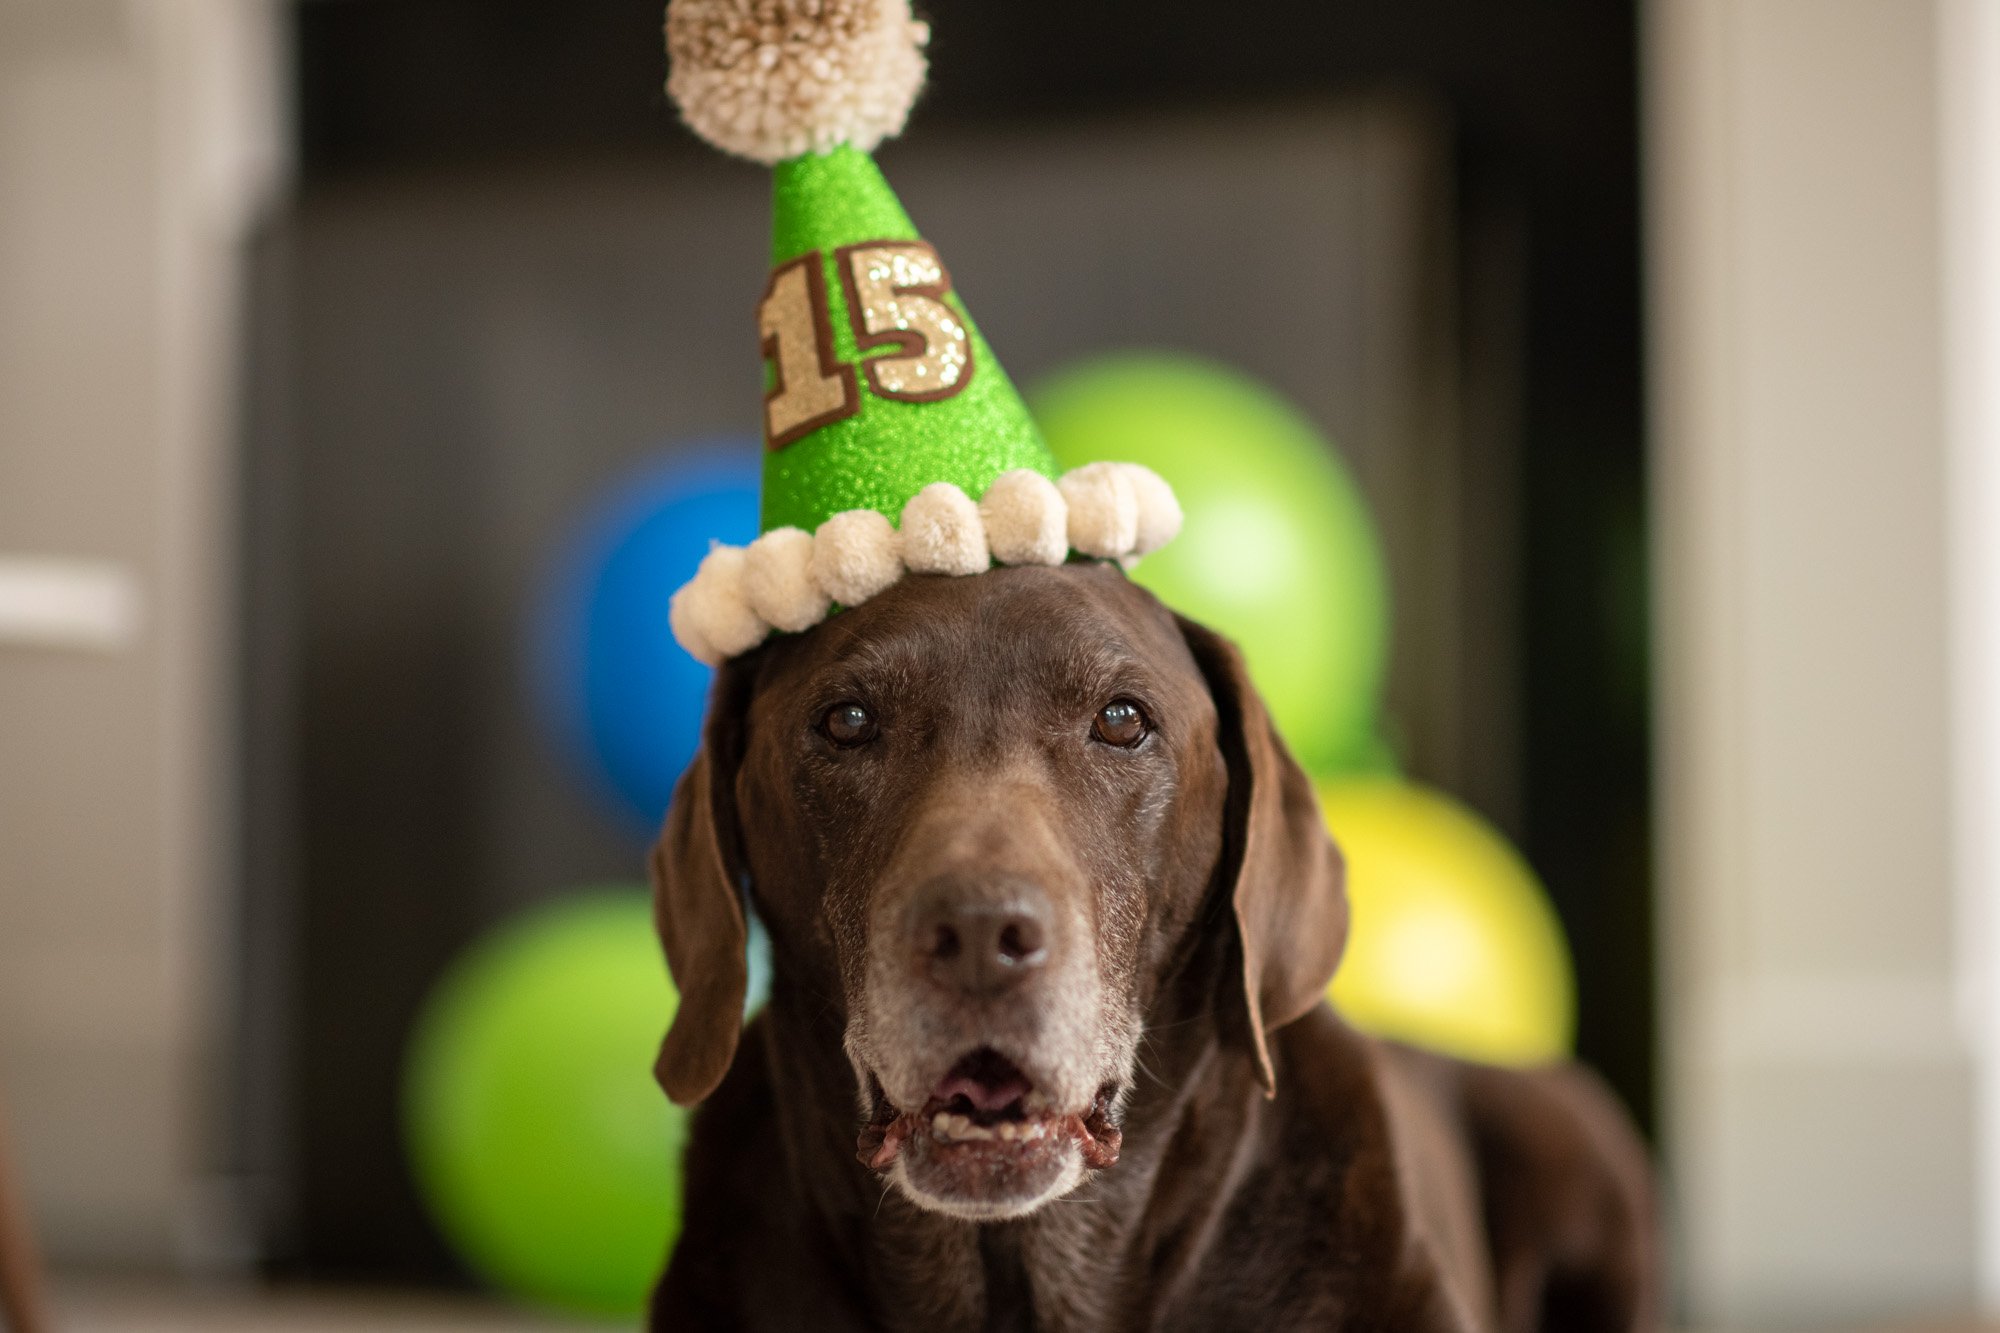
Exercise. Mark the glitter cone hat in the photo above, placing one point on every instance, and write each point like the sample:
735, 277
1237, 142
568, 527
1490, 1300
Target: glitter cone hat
885, 412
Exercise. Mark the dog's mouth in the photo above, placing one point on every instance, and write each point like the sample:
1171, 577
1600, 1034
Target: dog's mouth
986, 1110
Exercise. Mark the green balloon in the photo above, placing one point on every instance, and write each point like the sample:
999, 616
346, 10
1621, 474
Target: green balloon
1278, 551
546, 1153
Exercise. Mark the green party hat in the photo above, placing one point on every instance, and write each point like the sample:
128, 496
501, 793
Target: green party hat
948, 413
885, 412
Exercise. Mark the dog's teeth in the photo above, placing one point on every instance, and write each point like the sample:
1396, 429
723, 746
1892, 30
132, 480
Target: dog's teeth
1034, 1103
950, 1127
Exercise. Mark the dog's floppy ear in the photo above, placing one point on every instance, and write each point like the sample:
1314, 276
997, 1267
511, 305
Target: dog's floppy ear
1288, 886
697, 901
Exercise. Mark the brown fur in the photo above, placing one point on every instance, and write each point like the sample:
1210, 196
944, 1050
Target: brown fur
1278, 1171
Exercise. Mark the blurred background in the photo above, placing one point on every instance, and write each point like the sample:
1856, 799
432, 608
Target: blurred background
348, 346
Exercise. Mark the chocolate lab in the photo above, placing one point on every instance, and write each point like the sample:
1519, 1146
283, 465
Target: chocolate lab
1052, 913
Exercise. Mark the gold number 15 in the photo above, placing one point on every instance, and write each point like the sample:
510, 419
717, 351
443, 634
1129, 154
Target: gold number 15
895, 294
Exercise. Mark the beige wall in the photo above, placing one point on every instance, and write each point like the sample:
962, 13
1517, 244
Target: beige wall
1969, 105
131, 148
1821, 1107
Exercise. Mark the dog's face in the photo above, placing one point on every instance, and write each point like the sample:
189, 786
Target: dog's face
993, 816
1010, 794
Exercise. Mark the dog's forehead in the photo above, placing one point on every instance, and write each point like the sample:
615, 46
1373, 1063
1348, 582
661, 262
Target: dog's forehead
1071, 621
1075, 623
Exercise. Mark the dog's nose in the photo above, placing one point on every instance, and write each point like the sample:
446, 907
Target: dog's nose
980, 940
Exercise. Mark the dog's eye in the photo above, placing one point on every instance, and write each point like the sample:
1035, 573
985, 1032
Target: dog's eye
848, 724
1122, 723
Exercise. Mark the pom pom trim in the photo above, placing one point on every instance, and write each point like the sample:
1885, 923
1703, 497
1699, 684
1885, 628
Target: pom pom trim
715, 617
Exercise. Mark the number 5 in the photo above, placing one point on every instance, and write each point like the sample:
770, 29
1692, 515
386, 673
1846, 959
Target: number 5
895, 298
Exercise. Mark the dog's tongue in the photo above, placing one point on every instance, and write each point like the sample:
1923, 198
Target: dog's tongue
985, 1095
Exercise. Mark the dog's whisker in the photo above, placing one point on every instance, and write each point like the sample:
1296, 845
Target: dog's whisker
1140, 1064
1152, 1029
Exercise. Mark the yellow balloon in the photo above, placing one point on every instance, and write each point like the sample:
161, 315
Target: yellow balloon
1453, 945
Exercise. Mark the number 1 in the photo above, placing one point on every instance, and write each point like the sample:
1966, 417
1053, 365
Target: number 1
810, 388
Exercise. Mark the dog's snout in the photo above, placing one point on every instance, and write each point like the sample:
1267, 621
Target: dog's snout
980, 939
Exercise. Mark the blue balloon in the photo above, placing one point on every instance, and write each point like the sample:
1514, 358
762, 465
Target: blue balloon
621, 696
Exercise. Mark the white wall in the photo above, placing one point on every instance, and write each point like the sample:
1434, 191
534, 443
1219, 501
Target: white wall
1821, 1090
136, 139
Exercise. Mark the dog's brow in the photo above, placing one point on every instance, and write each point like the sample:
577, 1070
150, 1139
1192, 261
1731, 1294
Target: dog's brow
1094, 668
878, 659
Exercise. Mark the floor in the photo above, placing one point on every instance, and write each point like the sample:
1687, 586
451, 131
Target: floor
127, 1307
99, 1307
